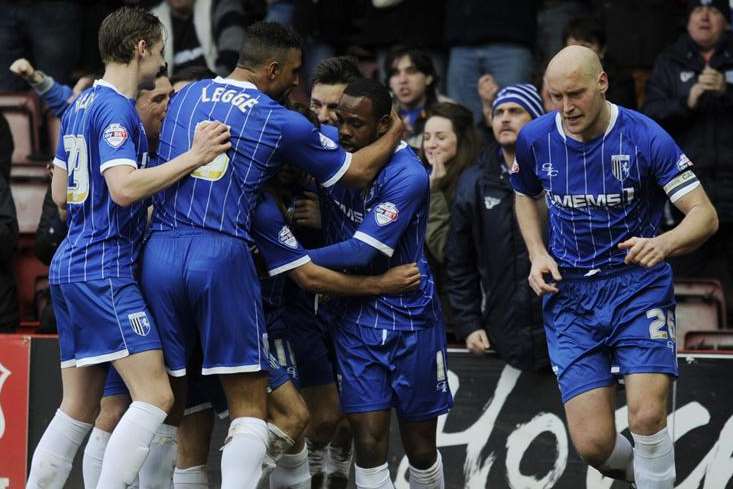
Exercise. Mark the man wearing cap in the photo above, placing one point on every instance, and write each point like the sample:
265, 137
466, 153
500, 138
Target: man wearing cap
689, 93
496, 276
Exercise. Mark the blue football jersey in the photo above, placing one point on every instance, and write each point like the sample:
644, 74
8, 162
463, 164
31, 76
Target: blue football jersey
220, 195
100, 130
601, 192
391, 216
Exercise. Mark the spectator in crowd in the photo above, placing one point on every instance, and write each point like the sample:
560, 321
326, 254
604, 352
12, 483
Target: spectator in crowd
552, 17
487, 90
486, 261
690, 94
488, 36
280, 11
451, 143
329, 81
8, 235
204, 33
588, 32
413, 81
47, 32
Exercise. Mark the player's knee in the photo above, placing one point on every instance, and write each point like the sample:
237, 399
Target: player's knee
594, 450
79, 410
322, 424
370, 441
422, 457
296, 420
646, 418
112, 410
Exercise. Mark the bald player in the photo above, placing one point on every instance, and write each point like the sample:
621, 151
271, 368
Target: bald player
606, 172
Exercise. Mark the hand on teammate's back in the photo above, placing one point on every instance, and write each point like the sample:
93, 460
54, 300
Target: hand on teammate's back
210, 140
400, 279
478, 342
646, 252
542, 266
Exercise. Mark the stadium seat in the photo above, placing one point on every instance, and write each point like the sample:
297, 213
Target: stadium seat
28, 194
700, 306
23, 112
713, 340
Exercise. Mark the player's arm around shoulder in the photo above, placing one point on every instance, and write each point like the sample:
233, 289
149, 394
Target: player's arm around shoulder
396, 280
700, 222
128, 185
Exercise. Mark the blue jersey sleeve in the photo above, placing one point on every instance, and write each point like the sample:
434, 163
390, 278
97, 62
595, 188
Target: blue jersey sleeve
522, 175
671, 167
274, 239
309, 149
117, 130
400, 197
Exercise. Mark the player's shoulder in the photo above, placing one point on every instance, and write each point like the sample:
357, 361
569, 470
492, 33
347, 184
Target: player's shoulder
636, 125
405, 166
107, 100
537, 129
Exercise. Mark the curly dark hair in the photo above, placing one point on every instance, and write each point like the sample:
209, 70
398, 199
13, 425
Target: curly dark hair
267, 40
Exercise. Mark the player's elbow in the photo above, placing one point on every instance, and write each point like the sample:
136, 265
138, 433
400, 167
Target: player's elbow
308, 277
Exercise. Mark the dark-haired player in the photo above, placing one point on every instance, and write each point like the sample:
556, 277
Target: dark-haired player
391, 348
198, 273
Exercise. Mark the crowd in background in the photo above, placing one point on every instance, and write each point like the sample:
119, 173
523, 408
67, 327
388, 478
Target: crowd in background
457, 69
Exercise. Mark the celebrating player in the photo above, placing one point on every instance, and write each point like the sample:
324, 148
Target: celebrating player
99, 177
606, 172
390, 349
198, 273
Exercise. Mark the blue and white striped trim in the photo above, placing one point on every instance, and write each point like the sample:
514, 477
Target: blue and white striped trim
231, 370
374, 243
289, 266
107, 357
117, 162
524, 94
340, 173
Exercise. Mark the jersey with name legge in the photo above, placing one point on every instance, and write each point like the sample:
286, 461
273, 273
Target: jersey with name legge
221, 195
601, 192
391, 216
100, 130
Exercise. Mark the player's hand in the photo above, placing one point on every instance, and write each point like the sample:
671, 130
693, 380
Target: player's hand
646, 252
24, 69
397, 127
306, 211
487, 89
478, 342
83, 83
541, 266
209, 141
400, 279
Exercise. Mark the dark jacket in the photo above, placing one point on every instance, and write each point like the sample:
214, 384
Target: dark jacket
51, 230
487, 267
8, 242
706, 133
476, 22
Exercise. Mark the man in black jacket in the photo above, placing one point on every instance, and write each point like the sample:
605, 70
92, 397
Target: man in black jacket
486, 259
690, 94
8, 235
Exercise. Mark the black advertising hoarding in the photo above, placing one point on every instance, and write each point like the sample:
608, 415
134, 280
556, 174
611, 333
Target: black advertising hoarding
507, 429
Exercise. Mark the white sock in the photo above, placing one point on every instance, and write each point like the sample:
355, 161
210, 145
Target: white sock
278, 443
430, 478
129, 445
54, 455
157, 471
292, 471
374, 478
191, 478
93, 455
339, 461
620, 464
654, 461
317, 456
244, 451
